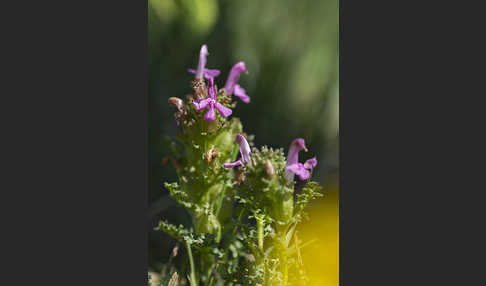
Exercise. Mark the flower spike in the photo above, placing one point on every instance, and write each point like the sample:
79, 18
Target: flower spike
201, 66
211, 102
231, 87
244, 151
293, 166
202, 61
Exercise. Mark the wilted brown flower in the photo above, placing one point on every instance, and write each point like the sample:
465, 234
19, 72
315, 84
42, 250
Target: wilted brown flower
210, 154
199, 87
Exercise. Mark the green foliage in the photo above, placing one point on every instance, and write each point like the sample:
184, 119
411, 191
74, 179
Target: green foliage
291, 51
243, 220
180, 233
311, 191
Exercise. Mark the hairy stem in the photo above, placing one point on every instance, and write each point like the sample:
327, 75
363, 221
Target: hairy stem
191, 262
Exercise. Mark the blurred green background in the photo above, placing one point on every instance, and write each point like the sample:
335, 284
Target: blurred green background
291, 52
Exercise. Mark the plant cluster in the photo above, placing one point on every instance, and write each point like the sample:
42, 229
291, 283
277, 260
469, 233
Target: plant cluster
242, 200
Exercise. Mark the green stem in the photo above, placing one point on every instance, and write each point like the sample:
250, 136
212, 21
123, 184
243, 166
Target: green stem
211, 281
282, 253
239, 219
209, 275
260, 233
191, 262
221, 198
233, 233
220, 201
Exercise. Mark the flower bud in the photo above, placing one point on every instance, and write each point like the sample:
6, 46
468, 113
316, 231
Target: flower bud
175, 250
239, 176
177, 103
269, 168
174, 279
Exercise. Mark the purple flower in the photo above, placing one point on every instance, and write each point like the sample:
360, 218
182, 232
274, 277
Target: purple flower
295, 147
244, 151
201, 67
311, 163
293, 166
207, 73
211, 102
231, 87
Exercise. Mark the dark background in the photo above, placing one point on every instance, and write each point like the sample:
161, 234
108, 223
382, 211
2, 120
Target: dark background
291, 53
74, 143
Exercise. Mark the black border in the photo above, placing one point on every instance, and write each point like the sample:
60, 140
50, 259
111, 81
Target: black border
76, 155
341, 144
76, 159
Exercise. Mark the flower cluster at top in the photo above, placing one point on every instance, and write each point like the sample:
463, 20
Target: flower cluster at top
293, 166
207, 99
231, 87
262, 188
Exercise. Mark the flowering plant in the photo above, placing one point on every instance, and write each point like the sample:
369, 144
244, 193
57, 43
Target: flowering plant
243, 201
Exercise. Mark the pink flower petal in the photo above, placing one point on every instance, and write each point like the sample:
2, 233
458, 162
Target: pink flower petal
244, 148
201, 103
311, 163
241, 93
211, 73
207, 73
210, 116
202, 61
223, 110
234, 76
233, 164
299, 170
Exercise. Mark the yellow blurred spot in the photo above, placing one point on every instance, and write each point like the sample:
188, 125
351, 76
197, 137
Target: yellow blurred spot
321, 258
